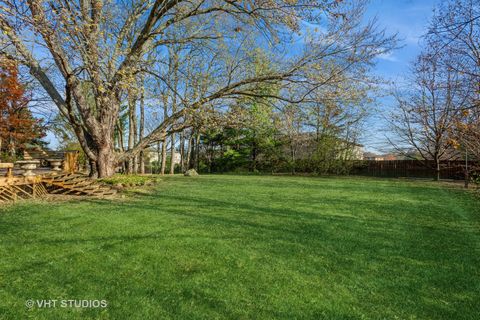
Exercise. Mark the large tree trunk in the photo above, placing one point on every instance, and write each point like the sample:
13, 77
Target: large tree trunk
106, 161
99, 145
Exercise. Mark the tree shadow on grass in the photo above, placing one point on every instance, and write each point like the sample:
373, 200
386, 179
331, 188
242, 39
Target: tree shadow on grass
288, 224
349, 243
382, 214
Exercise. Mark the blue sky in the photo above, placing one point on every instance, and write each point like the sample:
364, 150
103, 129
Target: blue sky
410, 19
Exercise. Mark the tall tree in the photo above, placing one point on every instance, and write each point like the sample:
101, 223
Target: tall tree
17, 125
141, 134
455, 28
427, 112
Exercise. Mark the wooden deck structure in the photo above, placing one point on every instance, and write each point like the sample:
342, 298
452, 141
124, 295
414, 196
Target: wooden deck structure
76, 184
14, 186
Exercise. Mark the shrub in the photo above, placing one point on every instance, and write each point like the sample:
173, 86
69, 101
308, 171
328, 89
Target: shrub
131, 180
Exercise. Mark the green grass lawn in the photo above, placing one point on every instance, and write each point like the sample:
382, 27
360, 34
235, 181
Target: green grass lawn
249, 247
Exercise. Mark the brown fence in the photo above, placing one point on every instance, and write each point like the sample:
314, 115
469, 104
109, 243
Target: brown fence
412, 168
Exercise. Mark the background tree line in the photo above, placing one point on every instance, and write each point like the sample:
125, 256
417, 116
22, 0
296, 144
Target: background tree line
129, 75
438, 116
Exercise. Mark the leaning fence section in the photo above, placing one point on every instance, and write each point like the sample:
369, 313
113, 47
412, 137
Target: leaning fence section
454, 169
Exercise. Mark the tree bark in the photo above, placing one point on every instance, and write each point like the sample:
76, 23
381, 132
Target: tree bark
132, 129
93, 169
164, 157
159, 155
106, 161
189, 151
182, 152
142, 132
197, 151
437, 168
172, 154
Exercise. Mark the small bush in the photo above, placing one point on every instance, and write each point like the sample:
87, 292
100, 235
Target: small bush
5, 157
131, 180
475, 178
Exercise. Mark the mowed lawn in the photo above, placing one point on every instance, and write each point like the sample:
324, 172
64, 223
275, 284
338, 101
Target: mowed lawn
249, 247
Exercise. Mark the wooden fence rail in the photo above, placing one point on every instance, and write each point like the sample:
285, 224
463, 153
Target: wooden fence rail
454, 169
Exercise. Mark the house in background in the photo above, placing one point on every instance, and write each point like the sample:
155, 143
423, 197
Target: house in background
357, 152
379, 157
343, 149
350, 150
372, 156
390, 157
153, 156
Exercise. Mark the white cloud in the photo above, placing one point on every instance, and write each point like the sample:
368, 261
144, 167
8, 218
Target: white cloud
387, 57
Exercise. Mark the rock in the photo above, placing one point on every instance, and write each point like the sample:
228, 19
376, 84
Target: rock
118, 186
190, 173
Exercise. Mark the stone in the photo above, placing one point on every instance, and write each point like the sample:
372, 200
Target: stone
191, 173
118, 186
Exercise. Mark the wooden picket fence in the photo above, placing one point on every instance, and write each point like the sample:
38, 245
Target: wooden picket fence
454, 169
